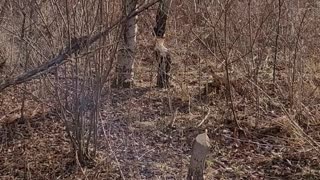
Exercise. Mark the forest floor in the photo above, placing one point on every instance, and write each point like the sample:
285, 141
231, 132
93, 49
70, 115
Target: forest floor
147, 133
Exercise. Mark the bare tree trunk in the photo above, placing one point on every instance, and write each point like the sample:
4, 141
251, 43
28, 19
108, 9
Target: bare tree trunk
200, 150
162, 54
126, 53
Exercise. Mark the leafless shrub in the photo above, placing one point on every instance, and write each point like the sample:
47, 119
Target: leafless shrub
263, 48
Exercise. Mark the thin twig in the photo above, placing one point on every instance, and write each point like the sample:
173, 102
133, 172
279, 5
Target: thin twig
205, 118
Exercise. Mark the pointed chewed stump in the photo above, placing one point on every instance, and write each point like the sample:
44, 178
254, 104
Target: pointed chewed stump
200, 149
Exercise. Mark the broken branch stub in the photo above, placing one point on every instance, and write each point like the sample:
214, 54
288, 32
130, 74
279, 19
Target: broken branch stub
200, 149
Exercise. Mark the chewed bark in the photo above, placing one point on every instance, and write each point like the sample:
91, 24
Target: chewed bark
163, 56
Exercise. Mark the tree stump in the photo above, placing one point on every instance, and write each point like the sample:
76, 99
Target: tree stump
200, 150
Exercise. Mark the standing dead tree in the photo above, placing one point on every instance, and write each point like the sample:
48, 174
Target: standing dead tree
163, 56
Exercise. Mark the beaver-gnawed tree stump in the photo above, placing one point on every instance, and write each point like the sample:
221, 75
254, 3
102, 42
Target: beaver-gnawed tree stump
200, 149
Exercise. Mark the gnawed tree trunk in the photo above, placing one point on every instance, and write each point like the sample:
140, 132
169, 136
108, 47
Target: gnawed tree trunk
162, 54
200, 150
126, 52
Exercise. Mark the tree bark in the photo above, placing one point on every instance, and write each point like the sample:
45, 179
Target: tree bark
200, 150
163, 56
126, 52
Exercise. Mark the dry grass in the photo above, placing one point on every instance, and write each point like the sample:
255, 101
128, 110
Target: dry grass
145, 132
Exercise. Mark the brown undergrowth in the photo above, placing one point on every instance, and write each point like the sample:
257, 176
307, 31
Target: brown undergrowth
146, 133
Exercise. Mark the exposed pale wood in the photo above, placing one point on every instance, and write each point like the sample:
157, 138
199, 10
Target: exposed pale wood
200, 149
163, 58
